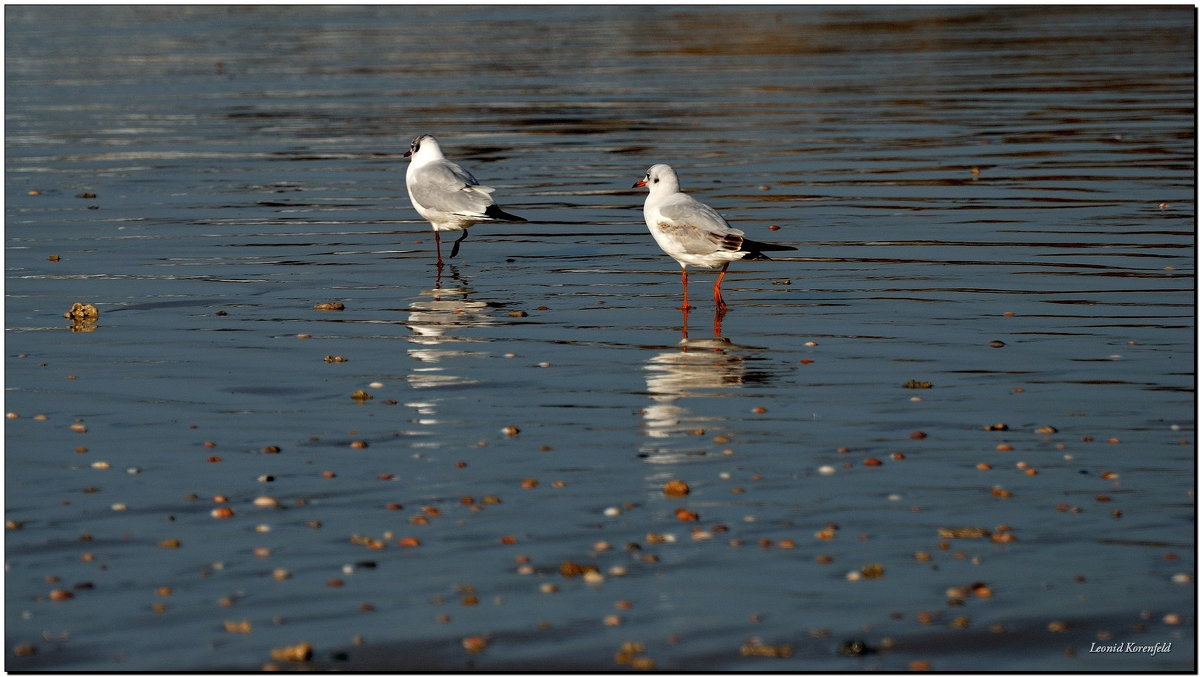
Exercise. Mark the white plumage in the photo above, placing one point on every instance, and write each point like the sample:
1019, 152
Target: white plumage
446, 195
693, 233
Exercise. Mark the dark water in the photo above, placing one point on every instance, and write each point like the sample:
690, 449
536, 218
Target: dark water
953, 178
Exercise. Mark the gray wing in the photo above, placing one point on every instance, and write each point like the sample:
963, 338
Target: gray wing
448, 188
698, 228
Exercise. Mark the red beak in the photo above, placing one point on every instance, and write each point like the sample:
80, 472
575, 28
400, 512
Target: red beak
640, 183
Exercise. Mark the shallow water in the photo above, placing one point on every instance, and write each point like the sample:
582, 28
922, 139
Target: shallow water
952, 177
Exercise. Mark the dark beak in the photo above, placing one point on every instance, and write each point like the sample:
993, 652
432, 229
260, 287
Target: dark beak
407, 153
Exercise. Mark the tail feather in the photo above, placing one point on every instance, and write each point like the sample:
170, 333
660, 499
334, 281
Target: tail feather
756, 249
494, 212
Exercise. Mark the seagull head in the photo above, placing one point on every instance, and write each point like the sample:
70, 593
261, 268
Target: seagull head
426, 142
660, 179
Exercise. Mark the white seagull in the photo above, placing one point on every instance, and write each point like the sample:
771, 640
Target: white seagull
446, 195
693, 233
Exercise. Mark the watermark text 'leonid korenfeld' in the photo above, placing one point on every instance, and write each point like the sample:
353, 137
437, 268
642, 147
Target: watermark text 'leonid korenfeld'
1131, 647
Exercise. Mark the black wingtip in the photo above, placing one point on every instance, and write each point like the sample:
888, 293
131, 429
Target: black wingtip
494, 212
756, 249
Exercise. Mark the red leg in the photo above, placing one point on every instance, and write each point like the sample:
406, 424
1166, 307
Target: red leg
717, 288
437, 241
685, 305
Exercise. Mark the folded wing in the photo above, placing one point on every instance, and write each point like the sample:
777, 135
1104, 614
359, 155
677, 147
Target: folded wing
448, 188
697, 228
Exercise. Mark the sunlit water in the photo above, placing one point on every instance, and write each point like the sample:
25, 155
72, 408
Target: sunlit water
992, 205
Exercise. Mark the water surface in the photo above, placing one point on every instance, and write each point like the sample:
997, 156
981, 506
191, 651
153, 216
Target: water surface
993, 206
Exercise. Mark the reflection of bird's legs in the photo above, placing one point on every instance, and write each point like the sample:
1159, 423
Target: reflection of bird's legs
718, 315
717, 288
454, 250
685, 327
685, 305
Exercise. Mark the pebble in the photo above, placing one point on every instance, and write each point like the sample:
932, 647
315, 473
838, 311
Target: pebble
296, 653
676, 488
475, 644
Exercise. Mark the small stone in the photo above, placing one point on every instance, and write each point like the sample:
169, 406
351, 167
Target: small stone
873, 571
296, 653
676, 488
475, 644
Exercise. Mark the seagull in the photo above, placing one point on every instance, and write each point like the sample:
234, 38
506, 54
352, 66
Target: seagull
446, 195
693, 233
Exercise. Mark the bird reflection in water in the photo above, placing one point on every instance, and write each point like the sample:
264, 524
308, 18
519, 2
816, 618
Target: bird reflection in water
435, 320
698, 367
